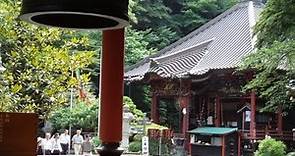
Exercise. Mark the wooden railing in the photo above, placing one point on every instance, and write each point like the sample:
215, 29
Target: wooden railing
260, 134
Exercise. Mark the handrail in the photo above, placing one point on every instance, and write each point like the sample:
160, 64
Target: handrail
260, 134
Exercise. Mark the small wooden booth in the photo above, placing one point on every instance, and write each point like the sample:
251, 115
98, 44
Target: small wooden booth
214, 141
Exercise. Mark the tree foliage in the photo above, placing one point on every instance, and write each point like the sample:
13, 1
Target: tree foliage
38, 63
271, 147
138, 114
274, 59
82, 115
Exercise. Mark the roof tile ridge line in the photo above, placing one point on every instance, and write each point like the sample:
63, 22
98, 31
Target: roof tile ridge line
201, 44
205, 26
252, 22
162, 69
191, 72
141, 62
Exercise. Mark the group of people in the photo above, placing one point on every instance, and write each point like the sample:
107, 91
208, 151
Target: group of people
60, 144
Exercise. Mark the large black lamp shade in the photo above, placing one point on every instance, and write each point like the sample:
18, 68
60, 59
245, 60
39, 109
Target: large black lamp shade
76, 14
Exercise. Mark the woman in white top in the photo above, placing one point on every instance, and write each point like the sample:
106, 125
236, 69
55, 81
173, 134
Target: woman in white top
55, 146
46, 144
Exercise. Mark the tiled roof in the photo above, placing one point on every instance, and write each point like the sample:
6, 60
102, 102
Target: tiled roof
232, 34
180, 63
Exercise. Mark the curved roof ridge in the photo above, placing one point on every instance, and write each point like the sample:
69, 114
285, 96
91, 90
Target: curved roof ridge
203, 44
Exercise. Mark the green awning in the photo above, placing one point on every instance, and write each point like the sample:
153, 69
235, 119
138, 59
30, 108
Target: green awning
212, 130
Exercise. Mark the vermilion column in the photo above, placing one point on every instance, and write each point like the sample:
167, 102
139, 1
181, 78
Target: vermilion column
185, 112
253, 115
155, 109
184, 105
111, 91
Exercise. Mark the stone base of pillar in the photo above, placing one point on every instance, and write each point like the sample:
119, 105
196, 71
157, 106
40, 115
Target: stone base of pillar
110, 149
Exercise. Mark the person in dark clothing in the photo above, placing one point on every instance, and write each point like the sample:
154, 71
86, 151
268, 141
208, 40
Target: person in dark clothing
65, 140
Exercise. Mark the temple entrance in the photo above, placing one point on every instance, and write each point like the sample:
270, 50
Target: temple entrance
170, 114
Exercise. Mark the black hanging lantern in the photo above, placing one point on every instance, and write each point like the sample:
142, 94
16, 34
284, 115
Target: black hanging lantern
76, 14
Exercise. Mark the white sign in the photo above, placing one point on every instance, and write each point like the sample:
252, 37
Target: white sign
145, 146
248, 116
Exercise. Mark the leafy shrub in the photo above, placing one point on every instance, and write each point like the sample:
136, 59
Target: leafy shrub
137, 137
135, 146
95, 141
82, 115
271, 147
138, 114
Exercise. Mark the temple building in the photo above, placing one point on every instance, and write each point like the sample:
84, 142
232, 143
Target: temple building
198, 74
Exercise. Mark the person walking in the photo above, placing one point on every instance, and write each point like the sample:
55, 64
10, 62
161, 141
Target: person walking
65, 141
39, 146
46, 144
77, 142
55, 146
87, 146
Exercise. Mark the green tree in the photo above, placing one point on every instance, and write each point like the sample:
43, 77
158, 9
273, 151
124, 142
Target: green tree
83, 115
198, 12
38, 63
274, 59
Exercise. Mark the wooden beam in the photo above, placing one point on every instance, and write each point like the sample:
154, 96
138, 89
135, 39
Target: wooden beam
253, 115
218, 111
155, 109
280, 120
243, 121
184, 105
223, 146
239, 143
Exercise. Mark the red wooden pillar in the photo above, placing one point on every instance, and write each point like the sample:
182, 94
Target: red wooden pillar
253, 115
155, 109
280, 120
218, 111
184, 102
111, 91
184, 105
223, 148
239, 143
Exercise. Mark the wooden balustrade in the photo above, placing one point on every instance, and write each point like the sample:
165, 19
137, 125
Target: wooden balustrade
260, 134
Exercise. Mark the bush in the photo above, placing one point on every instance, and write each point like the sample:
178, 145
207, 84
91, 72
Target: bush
135, 146
82, 115
137, 137
95, 141
271, 147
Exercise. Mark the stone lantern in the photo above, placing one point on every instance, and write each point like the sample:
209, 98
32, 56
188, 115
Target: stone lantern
126, 131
